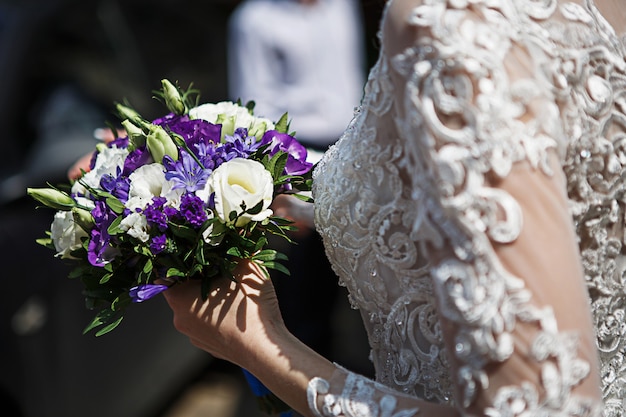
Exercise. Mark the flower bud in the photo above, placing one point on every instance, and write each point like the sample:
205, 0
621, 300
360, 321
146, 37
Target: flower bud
173, 100
52, 198
135, 134
83, 218
126, 113
228, 124
159, 144
258, 130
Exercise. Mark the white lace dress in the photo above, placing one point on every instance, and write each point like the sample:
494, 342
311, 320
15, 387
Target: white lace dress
478, 189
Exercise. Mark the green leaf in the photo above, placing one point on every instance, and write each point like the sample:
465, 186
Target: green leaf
147, 268
174, 272
249, 105
277, 266
232, 216
197, 268
184, 232
260, 244
256, 209
200, 254
235, 251
115, 204
46, 242
105, 278
302, 197
114, 227
146, 271
121, 302
143, 250
106, 329
276, 165
269, 255
282, 125
103, 317
281, 221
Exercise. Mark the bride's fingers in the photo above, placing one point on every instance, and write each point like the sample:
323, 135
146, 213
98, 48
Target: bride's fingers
106, 135
76, 170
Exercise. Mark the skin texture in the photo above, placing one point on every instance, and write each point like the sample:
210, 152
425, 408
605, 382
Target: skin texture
240, 322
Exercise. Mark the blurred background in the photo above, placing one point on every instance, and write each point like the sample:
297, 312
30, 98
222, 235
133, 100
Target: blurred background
63, 63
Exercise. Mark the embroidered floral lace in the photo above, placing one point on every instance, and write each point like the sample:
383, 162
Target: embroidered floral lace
495, 113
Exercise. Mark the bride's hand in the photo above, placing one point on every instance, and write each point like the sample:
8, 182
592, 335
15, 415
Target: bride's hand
235, 316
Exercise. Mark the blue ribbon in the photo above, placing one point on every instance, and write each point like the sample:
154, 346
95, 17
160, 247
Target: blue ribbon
257, 386
260, 390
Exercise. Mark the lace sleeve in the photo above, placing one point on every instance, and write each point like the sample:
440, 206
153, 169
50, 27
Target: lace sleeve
484, 139
481, 132
360, 397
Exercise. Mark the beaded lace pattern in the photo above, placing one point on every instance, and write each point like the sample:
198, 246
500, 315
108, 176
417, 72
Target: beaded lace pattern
401, 185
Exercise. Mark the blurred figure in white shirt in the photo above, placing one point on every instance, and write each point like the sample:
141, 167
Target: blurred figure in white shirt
301, 56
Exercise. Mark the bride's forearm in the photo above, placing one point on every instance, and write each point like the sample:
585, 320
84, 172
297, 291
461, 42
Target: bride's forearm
285, 366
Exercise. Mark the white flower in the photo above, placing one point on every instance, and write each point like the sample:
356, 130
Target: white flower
108, 161
66, 234
223, 111
136, 225
236, 182
149, 181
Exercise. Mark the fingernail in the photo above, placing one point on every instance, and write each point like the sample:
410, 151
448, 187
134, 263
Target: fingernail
100, 133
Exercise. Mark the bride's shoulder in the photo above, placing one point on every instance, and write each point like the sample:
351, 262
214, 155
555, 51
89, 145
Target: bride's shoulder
407, 22
398, 31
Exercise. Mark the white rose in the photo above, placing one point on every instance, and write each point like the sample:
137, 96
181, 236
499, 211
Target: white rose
66, 234
136, 225
149, 181
240, 181
210, 112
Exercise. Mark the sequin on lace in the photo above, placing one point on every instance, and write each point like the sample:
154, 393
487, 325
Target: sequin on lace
383, 203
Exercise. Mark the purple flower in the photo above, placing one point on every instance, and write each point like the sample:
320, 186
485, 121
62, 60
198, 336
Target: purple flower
92, 161
99, 236
185, 172
211, 156
145, 292
154, 213
192, 209
158, 244
240, 145
98, 243
171, 213
296, 162
136, 158
170, 119
194, 132
119, 142
118, 185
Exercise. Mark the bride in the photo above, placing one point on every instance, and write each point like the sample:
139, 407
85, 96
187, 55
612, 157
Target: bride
475, 210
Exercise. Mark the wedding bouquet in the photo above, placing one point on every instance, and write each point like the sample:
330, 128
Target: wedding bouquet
186, 196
